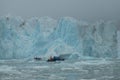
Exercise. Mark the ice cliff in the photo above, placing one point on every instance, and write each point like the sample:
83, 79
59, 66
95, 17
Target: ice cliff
46, 36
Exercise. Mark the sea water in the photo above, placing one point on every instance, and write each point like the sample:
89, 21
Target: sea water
97, 69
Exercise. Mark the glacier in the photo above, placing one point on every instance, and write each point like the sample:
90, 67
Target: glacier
47, 37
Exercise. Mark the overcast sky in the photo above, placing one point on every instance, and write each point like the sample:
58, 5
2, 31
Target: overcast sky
90, 10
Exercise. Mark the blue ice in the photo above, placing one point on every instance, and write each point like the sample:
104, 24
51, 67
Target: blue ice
46, 37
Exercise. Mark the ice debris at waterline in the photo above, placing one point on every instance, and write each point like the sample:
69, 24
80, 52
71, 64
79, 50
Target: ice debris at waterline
46, 37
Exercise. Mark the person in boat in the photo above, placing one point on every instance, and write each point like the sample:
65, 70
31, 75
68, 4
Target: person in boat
55, 58
37, 58
50, 59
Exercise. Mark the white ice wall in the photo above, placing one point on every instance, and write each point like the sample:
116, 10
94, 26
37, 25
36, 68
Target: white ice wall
46, 36
118, 39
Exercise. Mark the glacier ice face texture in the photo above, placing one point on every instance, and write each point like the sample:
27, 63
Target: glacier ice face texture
48, 37
118, 39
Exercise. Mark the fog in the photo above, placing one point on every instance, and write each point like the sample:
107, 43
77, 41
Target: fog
89, 10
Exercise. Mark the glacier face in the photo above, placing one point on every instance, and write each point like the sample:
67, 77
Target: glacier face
47, 37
